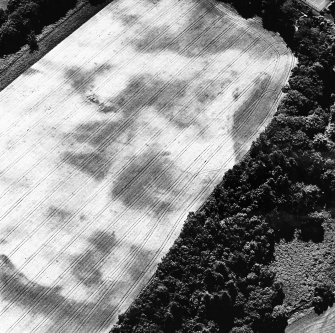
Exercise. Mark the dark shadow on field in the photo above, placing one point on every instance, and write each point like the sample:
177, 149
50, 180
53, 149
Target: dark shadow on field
248, 114
96, 160
97, 134
129, 19
82, 80
173, 100
205, 32
64, 314
58, 217
147, 183
168, 99
62, 219
59, 213
86, 267
147, 91
143, 258
41, 300
31, 71
94, 164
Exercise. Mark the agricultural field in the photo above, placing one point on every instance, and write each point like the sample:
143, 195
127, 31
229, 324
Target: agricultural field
318, 4
313, 323
110, 140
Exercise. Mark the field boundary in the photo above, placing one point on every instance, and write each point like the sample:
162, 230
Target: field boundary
150, 162
13, 65
218, 7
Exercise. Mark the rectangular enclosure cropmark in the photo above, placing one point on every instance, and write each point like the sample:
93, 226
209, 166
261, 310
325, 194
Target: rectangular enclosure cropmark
110, 140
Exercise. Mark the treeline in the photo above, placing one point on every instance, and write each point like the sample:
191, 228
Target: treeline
23, 19
277, 15
216, 277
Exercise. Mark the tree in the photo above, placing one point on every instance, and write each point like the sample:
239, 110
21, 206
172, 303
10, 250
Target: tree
24, 18
3, 16
32, 42
304, 198
323, 297
10, 38
295, 104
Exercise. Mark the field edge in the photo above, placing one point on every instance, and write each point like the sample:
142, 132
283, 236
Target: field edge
13, 65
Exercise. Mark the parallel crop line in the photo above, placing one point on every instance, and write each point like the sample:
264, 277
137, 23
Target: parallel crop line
154, 227
67, 199
123, 300
164, 213
64, 120
230, 64
44, 115
92, 134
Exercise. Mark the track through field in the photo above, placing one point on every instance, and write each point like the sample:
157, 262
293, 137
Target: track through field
110, 140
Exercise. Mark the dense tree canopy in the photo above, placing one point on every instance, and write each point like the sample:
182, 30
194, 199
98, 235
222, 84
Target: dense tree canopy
216, 277
23, 19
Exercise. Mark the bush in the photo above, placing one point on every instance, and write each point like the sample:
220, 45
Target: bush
217, 273
24, 18
323, 298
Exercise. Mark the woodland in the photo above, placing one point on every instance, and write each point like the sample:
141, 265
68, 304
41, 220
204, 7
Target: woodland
216, 277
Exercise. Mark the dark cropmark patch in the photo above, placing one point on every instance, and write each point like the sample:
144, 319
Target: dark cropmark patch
210, 89
58, 217
31, 71
243, 128
167, 98
200, 35
95, 164
86, 266
58, 213
140, 263
129, 19
96, 133
82, 80
41, 300
103, 241
141, 92
86, 270
146, 91
147, 183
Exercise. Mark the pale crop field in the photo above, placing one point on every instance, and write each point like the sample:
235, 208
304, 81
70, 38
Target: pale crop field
318, 4
313, 323
110, 140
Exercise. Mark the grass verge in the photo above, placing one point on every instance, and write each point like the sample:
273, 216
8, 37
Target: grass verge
14, 65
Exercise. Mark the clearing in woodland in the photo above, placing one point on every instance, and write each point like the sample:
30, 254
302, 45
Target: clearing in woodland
110, 140
3, 4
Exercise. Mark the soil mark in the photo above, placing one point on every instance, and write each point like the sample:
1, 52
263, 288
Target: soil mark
18, 289
248, 114
94, 164
147, 91
142, 259
86, 267
81, 80
147, 183
201, 36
